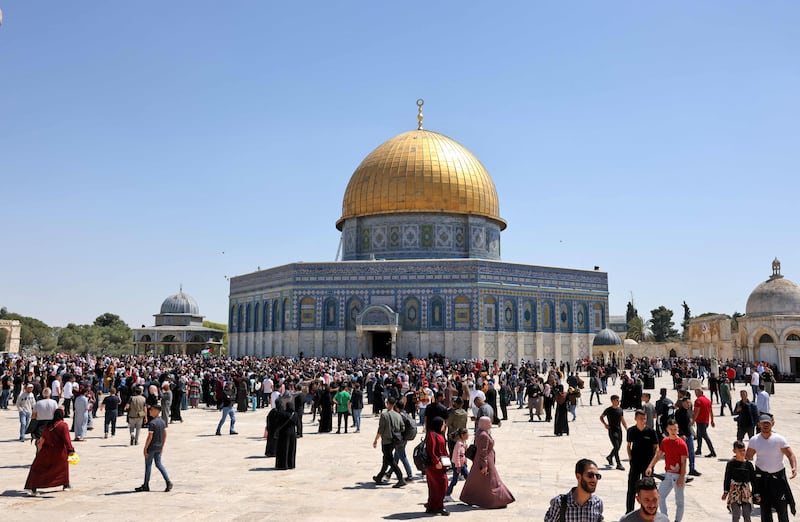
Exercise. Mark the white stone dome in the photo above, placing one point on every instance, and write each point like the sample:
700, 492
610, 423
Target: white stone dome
775, 296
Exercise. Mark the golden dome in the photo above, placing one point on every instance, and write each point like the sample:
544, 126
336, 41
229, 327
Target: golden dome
420, 171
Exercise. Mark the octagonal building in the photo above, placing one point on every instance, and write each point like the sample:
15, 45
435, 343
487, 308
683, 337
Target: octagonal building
421, 273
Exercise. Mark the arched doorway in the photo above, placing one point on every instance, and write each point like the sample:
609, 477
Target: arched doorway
381, 344
380, 324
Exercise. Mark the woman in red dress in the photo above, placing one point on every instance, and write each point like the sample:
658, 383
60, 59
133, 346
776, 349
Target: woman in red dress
436, 473
50, 468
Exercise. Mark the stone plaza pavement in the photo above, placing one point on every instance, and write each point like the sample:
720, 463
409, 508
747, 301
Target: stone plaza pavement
228, 477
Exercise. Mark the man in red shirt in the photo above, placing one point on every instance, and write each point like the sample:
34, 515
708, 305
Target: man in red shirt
675, 454
703, 416
731, 373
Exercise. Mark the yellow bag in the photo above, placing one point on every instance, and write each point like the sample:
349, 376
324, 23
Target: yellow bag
73, 459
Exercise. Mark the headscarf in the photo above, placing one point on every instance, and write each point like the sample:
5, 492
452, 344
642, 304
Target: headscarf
58, 415
484, 424
436, 424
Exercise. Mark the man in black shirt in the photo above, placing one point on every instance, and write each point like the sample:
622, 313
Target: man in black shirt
683, 415
642, 445
612, 418
435, 409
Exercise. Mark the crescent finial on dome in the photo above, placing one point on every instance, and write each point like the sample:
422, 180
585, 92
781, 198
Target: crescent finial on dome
420, 103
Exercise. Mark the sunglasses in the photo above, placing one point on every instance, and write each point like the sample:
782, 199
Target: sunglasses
592, 474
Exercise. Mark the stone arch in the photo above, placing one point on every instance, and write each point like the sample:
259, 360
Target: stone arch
462, 313
489, 313
510, 314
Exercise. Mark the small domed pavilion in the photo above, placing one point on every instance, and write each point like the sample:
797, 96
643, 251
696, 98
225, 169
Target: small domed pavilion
178, 330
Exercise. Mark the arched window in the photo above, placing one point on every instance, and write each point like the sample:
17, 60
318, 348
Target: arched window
287, 314
547, 316
437, 312
581, 319
353, 309
462, 311
248, 318
793, 337
331, 313
489, 312
599, 316
509, 315
257, 317
765, 339
239, 318
264, 316
528, 316
232, 319
411, 313
276, 315
307, 315
565, 317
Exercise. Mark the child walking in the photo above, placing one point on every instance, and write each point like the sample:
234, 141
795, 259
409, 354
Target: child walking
459, 459
739, 480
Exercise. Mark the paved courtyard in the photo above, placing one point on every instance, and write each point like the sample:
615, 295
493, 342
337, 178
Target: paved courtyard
228, 477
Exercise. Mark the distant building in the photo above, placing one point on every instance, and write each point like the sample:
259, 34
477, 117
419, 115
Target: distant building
618, 324
178, 330
13, 330
421, 273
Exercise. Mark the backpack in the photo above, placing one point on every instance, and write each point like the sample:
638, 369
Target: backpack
409, 427
421, 458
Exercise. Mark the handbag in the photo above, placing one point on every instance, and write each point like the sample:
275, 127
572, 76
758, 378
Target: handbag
445, 461
471, 451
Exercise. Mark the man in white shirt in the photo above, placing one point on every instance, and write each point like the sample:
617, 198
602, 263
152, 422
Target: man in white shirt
25, 403
762, 399
769, 448
67, 394
755, 379
55, 387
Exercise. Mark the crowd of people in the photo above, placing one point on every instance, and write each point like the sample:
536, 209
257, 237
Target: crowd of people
436, 393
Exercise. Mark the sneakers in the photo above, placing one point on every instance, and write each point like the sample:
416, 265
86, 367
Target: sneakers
399, 484
378, 479
448, 498
32, 493
132, 441
143, 487
694, 473
105, 435
218, 434
698, 452
621, 467
67, 487
168, 488
711, 455
234, 433
610, 460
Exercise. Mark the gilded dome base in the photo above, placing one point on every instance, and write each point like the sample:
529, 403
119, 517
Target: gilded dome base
420, 236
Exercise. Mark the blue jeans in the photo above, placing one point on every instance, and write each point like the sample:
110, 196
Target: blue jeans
400, 456
24, 420
671, 481
690, 445
4, 399
225, 412
148, 465
456, 472
357, 419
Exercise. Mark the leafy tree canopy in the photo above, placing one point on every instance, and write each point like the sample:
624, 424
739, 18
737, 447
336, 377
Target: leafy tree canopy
661, 325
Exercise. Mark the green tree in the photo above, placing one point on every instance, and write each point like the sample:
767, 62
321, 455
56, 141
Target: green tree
637, 329
735, 321
630, 313
687, 318
224, 328
108, 319
661, 325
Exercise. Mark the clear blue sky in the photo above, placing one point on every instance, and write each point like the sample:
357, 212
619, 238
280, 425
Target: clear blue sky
141, 140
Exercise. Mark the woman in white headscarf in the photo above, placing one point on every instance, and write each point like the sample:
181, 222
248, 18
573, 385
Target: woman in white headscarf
483, 487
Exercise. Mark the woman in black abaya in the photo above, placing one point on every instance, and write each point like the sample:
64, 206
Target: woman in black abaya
325, 410
273, 422
286, 447
560, 424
